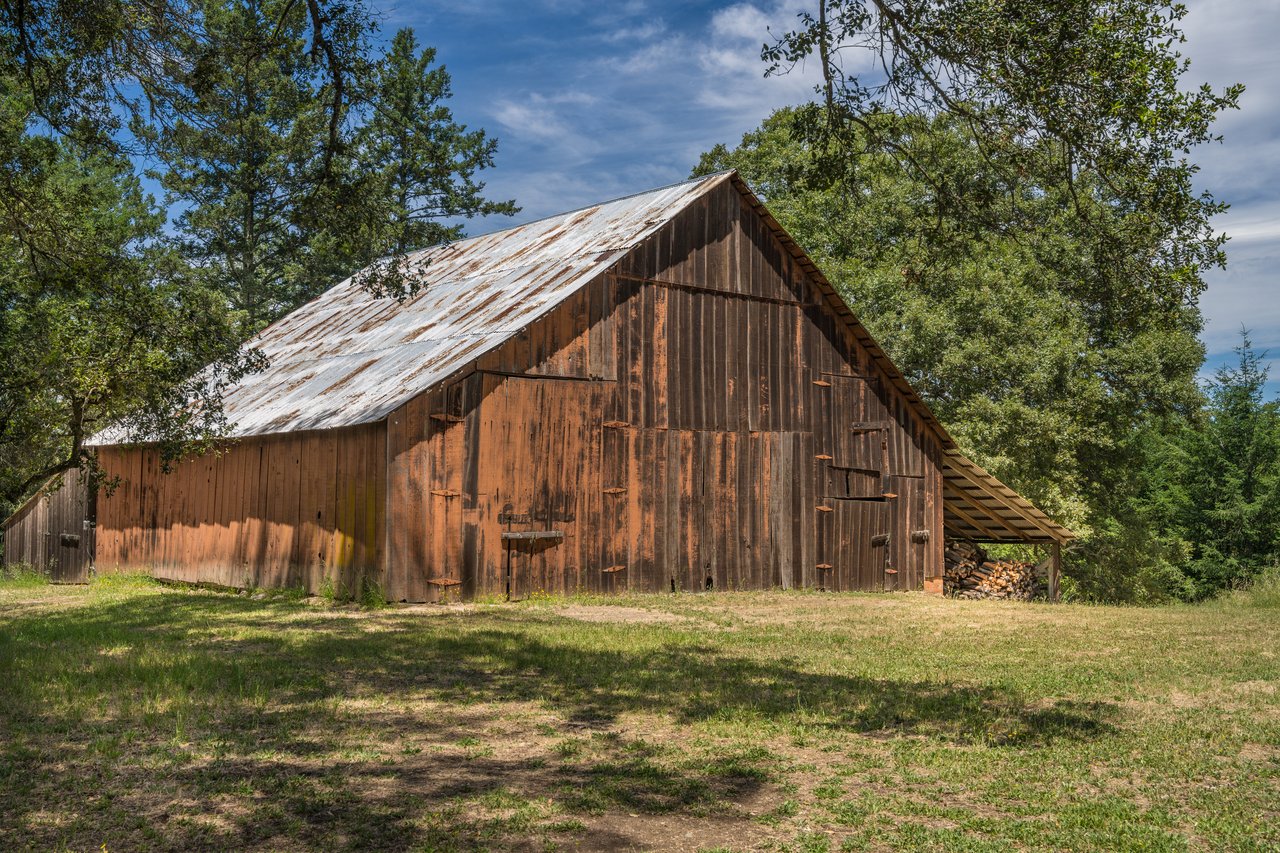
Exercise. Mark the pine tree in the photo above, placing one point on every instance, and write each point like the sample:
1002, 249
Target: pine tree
419, 165
1219, 488
237, 157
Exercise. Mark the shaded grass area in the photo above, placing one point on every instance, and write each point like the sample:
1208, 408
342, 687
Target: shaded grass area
147, 717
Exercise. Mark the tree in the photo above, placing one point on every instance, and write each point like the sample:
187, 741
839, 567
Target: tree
252, 112
267, 219
89, 65
239, 156
417, 165
101, 324
1080, 105
1214, 485
1100, 82
425, 161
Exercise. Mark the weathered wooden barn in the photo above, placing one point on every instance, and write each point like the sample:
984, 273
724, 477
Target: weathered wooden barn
659, 392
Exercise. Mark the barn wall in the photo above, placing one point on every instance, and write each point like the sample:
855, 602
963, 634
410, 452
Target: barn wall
697, 417
274, 511
53, 531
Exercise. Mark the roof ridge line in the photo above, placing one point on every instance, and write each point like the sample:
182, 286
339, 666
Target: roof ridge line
637, 194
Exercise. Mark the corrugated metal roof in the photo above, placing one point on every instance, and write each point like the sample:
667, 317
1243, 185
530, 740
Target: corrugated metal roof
348, 357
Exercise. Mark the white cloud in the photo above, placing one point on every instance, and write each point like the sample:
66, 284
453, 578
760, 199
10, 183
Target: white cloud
1231, 41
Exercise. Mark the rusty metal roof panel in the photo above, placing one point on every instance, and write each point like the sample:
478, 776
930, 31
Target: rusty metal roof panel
347, 357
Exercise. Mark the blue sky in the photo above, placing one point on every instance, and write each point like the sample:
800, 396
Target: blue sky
594, 100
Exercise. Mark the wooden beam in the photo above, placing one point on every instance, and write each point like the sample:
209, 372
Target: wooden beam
1055, 571
964, 516
955, 492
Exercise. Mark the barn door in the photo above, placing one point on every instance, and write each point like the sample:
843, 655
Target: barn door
853, 544
71, 529
530, 562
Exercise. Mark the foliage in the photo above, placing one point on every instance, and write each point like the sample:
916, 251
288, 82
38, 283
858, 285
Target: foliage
417, 164
1213, 489
101, 324
267, 216
1263, 591
91, 66
1099, 84
239, 156
284, 143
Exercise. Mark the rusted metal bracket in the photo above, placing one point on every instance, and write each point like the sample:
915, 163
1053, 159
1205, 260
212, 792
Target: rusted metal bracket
446, 417
616, 490
532, 534
445, 493
444, 582
613, 569
615, 424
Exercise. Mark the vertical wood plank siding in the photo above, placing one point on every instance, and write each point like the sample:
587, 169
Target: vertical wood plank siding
272, 511
53, 532
698, 417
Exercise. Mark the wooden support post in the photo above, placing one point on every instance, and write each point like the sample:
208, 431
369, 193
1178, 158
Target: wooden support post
1055, 571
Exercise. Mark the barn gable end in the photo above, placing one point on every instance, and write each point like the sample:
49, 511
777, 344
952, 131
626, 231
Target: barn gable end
695, 417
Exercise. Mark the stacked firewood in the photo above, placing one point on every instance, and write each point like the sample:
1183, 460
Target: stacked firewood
968, 573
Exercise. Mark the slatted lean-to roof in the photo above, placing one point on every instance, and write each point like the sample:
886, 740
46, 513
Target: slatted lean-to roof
977, 506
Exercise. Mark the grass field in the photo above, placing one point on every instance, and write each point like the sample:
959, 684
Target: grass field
135, 716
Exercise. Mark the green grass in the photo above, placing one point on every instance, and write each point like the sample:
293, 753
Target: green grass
140, 716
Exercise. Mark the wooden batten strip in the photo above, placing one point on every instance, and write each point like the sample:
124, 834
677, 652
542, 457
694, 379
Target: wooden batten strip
445, 493
446, 417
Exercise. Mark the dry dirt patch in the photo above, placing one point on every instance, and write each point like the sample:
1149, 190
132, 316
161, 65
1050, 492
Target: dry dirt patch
620, 615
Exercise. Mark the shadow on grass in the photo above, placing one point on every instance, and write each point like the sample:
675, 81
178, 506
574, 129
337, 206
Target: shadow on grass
108, 703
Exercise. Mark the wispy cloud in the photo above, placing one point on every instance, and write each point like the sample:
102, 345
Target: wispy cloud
1233, 41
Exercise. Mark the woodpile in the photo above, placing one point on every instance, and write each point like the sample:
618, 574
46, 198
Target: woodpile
968, 573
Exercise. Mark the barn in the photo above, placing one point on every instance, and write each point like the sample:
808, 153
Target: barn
660, 392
